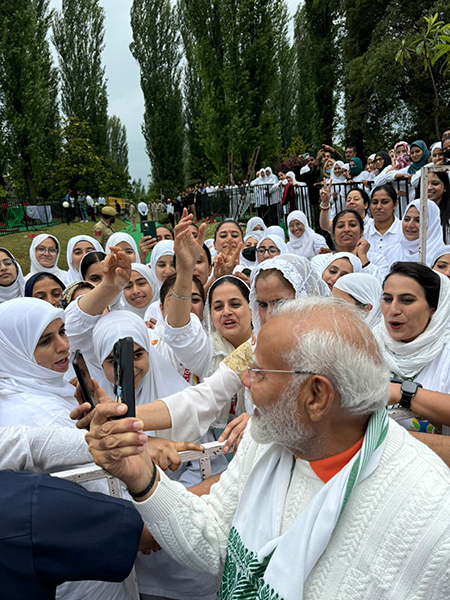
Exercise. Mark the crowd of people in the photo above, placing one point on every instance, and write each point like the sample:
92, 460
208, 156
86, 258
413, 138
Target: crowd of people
320, 359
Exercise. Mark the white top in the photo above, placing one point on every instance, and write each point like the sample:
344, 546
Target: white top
372, 546
379, 242
143, 209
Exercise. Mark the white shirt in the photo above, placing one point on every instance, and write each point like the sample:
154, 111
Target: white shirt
89, 200
143, 209
101, 200
379, 242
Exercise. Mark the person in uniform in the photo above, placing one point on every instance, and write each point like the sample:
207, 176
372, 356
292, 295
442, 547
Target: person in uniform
132, 215
103, 229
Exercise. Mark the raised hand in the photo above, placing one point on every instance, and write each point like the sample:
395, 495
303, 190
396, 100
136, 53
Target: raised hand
325, 192
226, 261
187, 248
116, 269
146, 245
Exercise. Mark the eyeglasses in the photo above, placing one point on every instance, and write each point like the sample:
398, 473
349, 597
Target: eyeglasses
272, 251
252, 372
44, 250
7, 262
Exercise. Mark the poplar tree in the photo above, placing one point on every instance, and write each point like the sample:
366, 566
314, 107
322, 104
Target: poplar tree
28, 92
78, 35
117, 142
156, 47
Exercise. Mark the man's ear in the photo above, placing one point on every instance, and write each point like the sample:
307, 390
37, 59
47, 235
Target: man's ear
318, 397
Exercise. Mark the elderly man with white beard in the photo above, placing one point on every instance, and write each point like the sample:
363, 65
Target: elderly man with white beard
326, 497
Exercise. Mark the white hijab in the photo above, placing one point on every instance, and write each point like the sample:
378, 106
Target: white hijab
271, 178
304, 245
36, 266
255, 235
291, 174
407, 250
151, 278
297, 270
276, 239
356, 263
74, 274
161, 380
406, 359
441, 251
335, 178
251, 224
121, 236
15, 289
366, 289
22, 322
163, 248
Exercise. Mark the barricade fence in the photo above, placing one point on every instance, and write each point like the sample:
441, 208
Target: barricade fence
18, 214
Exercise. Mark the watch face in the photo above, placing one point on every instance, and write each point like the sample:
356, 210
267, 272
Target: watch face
409, 387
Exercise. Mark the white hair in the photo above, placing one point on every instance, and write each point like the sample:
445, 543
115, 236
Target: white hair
340, 347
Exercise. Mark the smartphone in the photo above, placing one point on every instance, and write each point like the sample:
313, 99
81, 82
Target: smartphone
84, 379
149, 228
123, 354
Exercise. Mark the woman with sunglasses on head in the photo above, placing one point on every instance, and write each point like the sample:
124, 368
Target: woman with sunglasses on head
44, 255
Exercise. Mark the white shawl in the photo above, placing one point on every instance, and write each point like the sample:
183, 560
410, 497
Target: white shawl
36, 266
74, 274
366, 289
151, 278
304, 245
15, 289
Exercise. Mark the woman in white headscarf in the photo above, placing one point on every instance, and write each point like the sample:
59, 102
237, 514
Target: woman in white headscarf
12, 283
254, 224
408, 247
363, 291
124, 241
303, 240
161, 261
77, 247
272, 244
44, 255
141, 291
414, 337
34, 358
333, 266
261, 195
441, 260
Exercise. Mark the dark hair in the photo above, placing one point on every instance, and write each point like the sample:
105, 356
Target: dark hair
347, 211
8, 253
192, 224
89, 259
389, 189
70, 291
428, 279
166, 227
169, 284
223, 223
364, 196
242, 287
29, 286
354, 148
444, 204
207, 252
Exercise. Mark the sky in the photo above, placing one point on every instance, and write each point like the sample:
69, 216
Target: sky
122, 72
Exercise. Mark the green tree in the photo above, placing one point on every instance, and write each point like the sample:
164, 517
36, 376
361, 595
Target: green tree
28, 93
78, 35
117, 142
156, 47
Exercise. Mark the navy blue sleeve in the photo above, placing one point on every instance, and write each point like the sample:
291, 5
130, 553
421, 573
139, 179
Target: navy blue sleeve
81, 535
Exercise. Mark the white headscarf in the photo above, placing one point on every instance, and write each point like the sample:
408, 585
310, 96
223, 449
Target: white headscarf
17, 288
161, 380
441, 251
74, 274
271, 178
297, 270
121, 236
304, 245
356, 263
409, 250
151, 278
406, 359
366, 289
276, 239
22, 322
291, 174
435, 145
255, 235
36, 266
335, 178
251, 224
163, 248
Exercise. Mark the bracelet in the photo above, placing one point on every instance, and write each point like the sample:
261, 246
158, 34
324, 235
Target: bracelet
181, 297
148, 488
366, 265
324, 207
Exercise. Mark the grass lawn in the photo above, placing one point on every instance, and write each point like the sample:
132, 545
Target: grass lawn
19, 243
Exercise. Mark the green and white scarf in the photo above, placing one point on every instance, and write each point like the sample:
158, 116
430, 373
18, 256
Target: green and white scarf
260, 563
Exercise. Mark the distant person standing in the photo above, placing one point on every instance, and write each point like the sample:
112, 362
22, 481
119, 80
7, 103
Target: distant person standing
101, 200
143, 210
82, 205
103, 229
68, 206
90, 207
170, 212
118, 207
132, 215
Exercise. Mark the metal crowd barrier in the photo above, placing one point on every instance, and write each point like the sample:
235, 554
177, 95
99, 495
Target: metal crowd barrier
94, 473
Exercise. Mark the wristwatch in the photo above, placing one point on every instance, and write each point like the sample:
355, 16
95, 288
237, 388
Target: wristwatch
408, 390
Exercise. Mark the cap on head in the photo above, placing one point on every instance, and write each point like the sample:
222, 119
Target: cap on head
109, 211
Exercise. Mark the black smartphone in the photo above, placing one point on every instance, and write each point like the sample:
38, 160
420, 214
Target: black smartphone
84, 379
123, 354
149, 228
